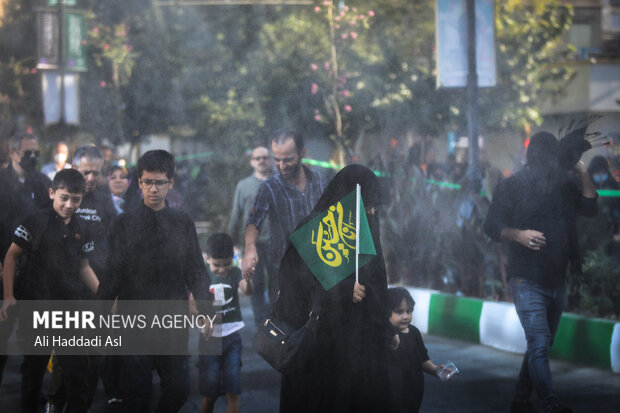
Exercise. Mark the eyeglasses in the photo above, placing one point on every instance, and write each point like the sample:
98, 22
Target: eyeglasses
260, 158
159, 183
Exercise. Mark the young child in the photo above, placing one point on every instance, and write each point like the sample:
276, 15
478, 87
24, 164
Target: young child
410, 359
226, 280
56, 268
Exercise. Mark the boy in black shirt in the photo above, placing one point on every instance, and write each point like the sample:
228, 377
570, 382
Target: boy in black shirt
154, 255
56, 268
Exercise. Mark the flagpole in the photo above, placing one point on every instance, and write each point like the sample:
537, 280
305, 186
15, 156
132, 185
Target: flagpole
357, 230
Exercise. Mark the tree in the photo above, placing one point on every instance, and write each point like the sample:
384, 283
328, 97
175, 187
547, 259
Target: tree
20, 95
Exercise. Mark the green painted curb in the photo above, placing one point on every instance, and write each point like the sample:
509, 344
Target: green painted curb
584, 340
455, 317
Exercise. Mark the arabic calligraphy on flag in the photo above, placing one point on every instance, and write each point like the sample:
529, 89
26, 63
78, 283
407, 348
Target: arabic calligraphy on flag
327, 242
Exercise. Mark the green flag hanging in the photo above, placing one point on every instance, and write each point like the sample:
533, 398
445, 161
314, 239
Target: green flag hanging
327, 242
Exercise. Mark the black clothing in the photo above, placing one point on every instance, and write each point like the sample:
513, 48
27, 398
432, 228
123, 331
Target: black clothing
18, 200
347, 369
518, 204
154, 255
132, 199
32, 370
96, 213
52, 254
406, 373
135, 383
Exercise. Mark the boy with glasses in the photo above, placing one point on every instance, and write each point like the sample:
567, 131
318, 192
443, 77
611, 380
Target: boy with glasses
154, 255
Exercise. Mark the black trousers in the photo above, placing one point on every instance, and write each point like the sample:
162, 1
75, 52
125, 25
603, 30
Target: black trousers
136, 382
33, 370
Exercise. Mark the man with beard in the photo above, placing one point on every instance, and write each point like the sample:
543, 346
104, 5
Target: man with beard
535, 212
245, 192
23, 190
285, 198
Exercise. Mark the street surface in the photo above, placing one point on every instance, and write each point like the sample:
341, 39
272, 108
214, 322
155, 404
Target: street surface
485, 384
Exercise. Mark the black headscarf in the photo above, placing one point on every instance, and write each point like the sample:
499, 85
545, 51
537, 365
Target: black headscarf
344, 183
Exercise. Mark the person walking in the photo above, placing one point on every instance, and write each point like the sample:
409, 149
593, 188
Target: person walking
535, 211
97, 209
154, 255
23, 190
245, 192
346, 368
286, 198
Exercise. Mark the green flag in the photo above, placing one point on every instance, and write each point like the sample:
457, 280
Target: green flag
327, 242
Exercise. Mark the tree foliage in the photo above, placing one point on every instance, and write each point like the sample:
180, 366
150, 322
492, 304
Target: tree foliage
237, 72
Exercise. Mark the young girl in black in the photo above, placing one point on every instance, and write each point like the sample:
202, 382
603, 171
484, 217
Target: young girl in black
410, 359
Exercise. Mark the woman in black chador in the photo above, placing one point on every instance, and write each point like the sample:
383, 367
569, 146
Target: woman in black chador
346, 368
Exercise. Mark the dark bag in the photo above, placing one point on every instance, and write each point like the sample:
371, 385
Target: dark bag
279, 343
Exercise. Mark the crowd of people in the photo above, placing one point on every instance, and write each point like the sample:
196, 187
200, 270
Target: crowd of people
88, 229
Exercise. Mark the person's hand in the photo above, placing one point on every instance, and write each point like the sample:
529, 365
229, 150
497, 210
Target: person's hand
446, 376
248, 264
193, 308
531, 239
6, 304
206, 330
580, 168
395, 342
359, 292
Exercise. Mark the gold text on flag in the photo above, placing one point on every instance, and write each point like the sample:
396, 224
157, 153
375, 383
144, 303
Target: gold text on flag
335, 237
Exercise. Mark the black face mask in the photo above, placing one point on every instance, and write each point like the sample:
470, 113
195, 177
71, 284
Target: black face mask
29, 160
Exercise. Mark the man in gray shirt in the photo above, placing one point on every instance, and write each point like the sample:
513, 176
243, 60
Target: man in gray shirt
245, 193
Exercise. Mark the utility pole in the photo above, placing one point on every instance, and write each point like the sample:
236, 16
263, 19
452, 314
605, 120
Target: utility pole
473, 173
61, 64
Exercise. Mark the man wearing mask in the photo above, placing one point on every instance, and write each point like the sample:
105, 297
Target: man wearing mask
23, 190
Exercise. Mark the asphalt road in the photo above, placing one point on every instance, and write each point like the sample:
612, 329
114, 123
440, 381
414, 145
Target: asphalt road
484, 385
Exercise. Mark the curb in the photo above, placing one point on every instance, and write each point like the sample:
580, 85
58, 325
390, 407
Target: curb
591, 341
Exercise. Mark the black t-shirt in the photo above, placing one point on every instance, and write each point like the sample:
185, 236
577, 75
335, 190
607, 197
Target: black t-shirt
50, 263
18, 199
518, 204
96, 213
406, 374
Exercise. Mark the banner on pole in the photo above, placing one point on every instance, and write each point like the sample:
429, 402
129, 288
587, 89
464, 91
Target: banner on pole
451, 39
